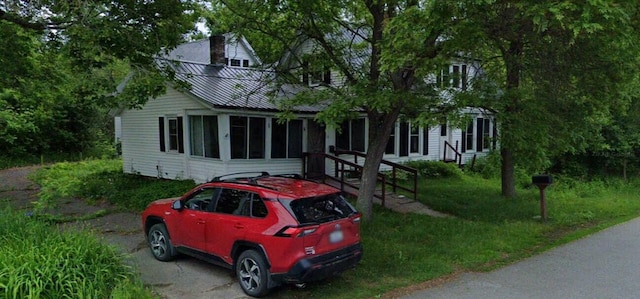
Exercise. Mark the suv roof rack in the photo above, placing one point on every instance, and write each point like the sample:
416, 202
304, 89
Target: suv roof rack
253, 179
241, 176
289, 175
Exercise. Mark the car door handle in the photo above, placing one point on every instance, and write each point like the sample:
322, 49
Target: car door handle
239, 226
201, 221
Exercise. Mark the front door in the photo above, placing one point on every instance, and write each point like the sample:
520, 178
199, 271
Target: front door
315, 146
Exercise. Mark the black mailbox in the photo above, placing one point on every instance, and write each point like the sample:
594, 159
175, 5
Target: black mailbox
543, 179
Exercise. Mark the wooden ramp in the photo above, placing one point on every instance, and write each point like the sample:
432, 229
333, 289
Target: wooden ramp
394, 202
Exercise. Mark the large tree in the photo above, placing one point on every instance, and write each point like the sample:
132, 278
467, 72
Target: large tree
382, 58
96, 34
62, 62
556, 71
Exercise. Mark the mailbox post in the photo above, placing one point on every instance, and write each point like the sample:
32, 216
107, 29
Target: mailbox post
542, 181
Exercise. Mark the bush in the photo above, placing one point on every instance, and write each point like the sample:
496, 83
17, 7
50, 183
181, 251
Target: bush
40, 261
64, 180
130, 191
488, 166
435, 169
103, 180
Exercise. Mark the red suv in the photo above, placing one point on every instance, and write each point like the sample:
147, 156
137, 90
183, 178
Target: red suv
270, 229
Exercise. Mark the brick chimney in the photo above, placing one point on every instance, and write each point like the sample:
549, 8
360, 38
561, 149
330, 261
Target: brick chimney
216, 50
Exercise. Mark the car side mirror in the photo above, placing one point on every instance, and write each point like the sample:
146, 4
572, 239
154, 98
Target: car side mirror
177, 205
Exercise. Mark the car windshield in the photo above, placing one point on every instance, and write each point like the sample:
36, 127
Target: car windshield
319, 209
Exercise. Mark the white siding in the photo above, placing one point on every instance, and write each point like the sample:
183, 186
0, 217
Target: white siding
203, 170
140, 137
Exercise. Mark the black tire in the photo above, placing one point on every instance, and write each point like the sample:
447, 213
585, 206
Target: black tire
159, 243
252, 273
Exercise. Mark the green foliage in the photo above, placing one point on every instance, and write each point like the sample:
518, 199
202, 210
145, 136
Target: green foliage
546, 96
99, 180
131, 191
51, 107
490, 167
435, 169
64, 180
41, 261
62, 69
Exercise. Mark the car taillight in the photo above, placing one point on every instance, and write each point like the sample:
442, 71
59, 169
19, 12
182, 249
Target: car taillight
295, 232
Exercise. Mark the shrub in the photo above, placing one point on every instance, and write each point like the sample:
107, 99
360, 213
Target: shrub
40, 261
103, 180
63, 180
488, 166
130, 191
435, 169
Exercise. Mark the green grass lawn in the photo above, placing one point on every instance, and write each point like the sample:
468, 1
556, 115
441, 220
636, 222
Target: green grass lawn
403, 249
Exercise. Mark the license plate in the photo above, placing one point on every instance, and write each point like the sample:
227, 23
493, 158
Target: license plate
336, 236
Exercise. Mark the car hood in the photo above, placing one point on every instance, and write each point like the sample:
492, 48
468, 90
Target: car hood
164, 201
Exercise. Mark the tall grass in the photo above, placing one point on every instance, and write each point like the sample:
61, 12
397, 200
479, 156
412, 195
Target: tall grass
39, 261
103, 180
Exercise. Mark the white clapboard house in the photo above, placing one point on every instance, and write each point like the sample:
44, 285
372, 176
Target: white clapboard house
225, 123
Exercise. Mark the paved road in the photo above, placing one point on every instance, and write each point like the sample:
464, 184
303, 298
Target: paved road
604, 265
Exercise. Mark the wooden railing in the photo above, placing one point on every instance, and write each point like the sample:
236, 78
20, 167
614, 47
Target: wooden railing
457, 155
342, 167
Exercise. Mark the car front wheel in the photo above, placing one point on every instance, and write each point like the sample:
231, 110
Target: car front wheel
252, 273
160, 243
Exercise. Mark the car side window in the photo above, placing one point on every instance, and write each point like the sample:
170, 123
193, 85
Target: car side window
231, 201
241, 203
258, 208
200, 199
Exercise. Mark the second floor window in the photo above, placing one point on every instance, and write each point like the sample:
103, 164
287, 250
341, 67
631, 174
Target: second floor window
315, 74
455, 75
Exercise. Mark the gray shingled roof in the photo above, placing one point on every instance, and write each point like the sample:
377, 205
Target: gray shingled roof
233, 87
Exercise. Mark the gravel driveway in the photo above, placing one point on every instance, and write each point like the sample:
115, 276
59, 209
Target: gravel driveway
182, 278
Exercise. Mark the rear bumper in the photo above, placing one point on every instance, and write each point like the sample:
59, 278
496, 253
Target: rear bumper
321, 267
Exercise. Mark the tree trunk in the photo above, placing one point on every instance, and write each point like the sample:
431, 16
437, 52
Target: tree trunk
508, 175
380, 126
512, 57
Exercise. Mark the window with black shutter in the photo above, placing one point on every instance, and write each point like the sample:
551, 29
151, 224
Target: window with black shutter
161, 134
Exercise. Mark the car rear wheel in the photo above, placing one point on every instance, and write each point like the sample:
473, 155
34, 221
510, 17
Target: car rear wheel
160, 243
252, 273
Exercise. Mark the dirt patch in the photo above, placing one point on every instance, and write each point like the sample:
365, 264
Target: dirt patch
20, 193
16, 189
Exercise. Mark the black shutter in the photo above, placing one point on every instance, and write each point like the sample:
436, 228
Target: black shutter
479, 134
425, 141
327, 76
404, 139
161, 129
464, 77
180, 136
464, 141
495, 135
